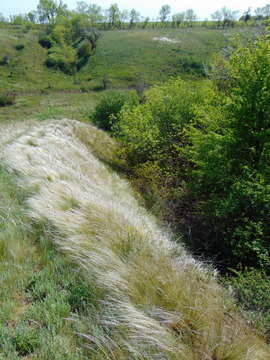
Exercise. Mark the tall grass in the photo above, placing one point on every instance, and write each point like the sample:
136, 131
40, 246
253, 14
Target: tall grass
158, 303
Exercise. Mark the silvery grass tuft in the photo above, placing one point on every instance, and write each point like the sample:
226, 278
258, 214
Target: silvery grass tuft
159, 303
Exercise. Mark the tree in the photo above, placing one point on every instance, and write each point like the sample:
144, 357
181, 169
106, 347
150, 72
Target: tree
225, 17
145, 22
2, 18
82, 7
231, 153
113, 15
32, 16
228, 16
259, 13
94, 13
164, 13
266, 11
190, 16
123, 17
134, 17
178, 18
48, 10
217, 16
246, 15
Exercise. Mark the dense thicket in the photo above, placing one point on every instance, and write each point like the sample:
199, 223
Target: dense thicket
70, 42
231, 151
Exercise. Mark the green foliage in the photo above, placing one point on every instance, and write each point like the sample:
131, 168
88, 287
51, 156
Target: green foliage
4, 60
70, 43
19, 47
153, 130
7, 98
39, 288
63, 58
45, 41
252, 290
192, 65
107, 110
84, 49
231, 151
25, 340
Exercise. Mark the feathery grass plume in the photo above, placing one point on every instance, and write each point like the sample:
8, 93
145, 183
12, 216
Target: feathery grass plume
159, 303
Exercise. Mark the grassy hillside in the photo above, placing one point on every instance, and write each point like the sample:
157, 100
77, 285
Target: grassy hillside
156, 300
125, 55
40, 289
122, 56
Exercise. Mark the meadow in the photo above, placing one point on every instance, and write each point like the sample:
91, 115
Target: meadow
123, 57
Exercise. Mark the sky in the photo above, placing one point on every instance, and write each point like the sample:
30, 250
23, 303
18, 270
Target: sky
150, 8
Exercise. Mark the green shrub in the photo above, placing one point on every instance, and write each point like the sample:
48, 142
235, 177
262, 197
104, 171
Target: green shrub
19, 47
70, 42
45, 41
4, 60
252, 290
106, 112
84, 49
6, 99
231, 154
154, 129
25, 340
63, 59
192, 65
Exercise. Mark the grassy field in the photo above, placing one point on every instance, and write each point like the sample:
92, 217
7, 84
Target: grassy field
54, 105
122, 56
125, 55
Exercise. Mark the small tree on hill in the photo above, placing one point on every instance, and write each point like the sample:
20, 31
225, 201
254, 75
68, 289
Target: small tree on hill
48, 10
164, 13
178, 18
113, 16
134, 17
190, 16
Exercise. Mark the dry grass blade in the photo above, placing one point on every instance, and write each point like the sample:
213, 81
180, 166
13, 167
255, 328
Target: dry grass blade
160, 304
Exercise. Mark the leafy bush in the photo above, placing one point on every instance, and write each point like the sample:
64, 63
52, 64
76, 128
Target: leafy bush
84, 49
107, 110
45, 41
153, 130
63, 59
231, 152
252, 289
192, 65
6, 99
19, 47
70, 42
4, 60
25, 340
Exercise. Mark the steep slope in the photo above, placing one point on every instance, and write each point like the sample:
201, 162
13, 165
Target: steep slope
158, 302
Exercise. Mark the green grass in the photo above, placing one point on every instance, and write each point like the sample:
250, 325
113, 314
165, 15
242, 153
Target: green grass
53, 105
123, 56
39, 288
